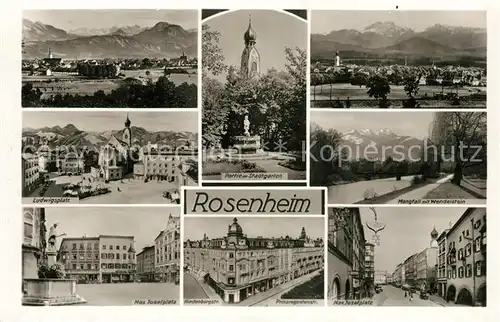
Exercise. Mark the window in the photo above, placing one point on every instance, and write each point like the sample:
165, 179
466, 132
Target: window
460, 253
461, 272
477, 244
111, 256
82, 257
479, 268
110, 265
468, 270
124, 256
459, 239
468, 250
81, 246
103, 255
454, 273
104, 247
124, 247
82, 266
96, 257
231, 255
110, 247
74, 256
74, 246
89, 256
117, 256
117, 247
74, 266
103, 266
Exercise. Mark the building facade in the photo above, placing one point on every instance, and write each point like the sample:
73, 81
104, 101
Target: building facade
172, 166
397, 276
115, 157
102, 259
29, 172
238, 267
381, 278
466, 259
167, 252
370, 264
426, 262
34, 243
345, 264
410, 271
146, 264
441, 264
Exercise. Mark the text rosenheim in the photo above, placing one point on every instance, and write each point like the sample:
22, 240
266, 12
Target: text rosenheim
243, 201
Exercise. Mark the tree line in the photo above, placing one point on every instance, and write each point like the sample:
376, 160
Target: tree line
130, 93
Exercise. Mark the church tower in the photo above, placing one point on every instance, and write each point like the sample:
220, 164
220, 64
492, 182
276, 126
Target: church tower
127, 133
250, 58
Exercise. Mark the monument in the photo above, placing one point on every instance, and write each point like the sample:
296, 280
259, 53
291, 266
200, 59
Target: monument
248, 146
51, 288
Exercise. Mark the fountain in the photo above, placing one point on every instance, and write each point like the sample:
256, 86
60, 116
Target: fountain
248, 146
51, 287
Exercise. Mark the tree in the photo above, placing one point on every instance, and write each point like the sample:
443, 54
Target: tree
379, 88
468, 134
212, 57
411, 88
214, 114
324, 154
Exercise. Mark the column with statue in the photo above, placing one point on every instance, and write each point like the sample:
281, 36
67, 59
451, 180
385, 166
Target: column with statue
51, 288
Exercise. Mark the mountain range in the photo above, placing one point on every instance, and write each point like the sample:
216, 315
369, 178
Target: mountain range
383, 38
381, 144
161, 40
70, 135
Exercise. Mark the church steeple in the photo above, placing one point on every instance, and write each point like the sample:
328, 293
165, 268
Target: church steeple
127, 122
250, 58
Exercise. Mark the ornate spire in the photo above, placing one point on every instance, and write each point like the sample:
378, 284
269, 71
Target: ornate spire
250, 35
127, 122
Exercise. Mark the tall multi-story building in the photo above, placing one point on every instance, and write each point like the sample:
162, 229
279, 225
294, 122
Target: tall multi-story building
146, 264
237, 266
102, 259
370, 264
34, 243
441, 264
167, 252
29, 172
381, 278
466, 259
410, 269
426, 264
398, 275
345, 265
70, 163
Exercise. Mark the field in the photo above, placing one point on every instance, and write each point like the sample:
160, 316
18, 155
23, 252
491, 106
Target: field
344, 91
69, 84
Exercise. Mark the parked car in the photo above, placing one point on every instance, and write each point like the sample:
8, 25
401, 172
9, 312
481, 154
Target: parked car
424, 295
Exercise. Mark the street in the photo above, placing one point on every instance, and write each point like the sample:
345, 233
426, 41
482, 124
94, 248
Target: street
353, 192
393, 296
193, 289
126, 293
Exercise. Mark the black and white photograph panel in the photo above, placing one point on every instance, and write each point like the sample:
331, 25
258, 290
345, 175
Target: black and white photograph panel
441, 260
108, 157
254, 67
398, 59
406, 157
110, 58
253, 261
101, 256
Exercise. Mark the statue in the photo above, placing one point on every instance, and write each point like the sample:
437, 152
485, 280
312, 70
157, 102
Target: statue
246, 126
52, 242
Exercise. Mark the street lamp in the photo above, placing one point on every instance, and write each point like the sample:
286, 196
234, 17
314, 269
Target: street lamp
375, 226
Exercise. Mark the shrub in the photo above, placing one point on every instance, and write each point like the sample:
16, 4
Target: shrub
418, 179
54, 271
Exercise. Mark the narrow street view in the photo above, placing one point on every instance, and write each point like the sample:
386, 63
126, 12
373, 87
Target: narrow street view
407, 256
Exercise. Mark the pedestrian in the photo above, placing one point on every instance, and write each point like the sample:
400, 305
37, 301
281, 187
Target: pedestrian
406, 294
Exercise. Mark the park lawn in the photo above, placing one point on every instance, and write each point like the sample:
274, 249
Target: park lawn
216, 168
312, 289
449, 190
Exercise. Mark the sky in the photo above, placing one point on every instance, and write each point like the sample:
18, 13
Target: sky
106, 121
74, 19
216, 227
144, 223
322, 22
275, 30
407, 231
414, 124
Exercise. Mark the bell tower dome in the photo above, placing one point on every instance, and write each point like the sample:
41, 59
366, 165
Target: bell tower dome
250, 58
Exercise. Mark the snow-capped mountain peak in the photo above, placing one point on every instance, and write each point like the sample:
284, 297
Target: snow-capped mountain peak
388, 28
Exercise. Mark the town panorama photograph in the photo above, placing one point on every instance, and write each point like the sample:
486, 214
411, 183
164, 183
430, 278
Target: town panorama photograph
398, 59
110, 58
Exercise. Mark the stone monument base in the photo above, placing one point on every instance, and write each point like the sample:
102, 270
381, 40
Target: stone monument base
50, 292
247, 144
